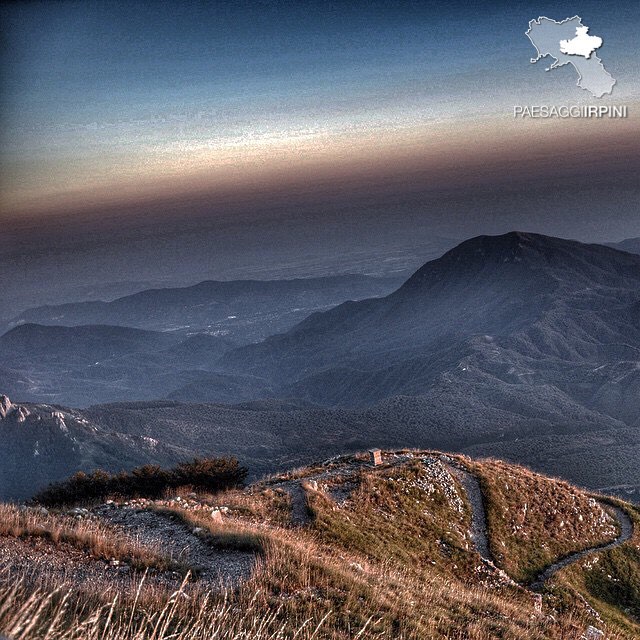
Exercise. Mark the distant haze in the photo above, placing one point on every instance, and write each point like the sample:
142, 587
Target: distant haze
147, 145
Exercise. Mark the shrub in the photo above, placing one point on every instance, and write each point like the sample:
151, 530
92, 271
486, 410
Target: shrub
149, 481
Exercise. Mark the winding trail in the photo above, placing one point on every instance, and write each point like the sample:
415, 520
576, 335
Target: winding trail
479, 530
480, 537
300, 514
626, 532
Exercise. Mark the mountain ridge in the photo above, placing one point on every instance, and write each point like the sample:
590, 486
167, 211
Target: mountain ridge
519, 344
339, 542
453, 309
243, 309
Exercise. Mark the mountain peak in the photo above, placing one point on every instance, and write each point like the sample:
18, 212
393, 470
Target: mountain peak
521, 251
509, 246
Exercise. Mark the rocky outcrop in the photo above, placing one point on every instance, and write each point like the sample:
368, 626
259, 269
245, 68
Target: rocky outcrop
5, 407
44, 443
17, 412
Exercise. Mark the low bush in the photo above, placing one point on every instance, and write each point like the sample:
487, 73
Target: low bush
150, 481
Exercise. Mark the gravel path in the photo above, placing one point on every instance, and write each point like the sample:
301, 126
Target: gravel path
626, 532
37, 559
215, 567
471, 485
480, 537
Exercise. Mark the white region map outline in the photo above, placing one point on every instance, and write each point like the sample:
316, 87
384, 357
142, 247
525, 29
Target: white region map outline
555, 64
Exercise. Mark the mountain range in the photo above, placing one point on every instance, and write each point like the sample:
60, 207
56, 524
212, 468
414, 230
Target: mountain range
244, 310
160, 342
520, 345
552, 322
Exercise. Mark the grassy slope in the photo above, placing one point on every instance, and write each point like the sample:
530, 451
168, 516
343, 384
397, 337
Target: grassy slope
392, 561
609, 581
534, 520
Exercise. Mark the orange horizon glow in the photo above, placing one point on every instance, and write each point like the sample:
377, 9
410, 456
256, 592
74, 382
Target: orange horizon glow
490, 150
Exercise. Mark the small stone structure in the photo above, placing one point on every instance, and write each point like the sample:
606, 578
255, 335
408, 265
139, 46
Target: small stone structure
375, 457
537, 602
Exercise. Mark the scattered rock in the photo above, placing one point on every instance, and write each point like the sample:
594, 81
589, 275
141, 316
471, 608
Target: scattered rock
537, 602
593, 633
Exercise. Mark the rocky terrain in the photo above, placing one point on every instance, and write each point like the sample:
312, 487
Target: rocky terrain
316, 536
44, 443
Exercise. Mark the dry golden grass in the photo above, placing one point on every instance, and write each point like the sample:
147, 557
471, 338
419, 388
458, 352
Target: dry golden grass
370, 567
94, 537
392, 563
301, 590
261, 504
534, 520
27, 614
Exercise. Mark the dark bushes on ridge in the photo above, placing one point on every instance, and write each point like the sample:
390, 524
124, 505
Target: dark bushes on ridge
150, 481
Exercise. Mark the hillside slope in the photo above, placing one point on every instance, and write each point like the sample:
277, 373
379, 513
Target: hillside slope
521, 346
532, 312
81, 365
270, 436
332, 551
40, 444
632, 245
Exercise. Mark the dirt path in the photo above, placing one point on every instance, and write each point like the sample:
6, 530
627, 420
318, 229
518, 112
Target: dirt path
299, 513
626, 532
215, 567
480, 537
471, 485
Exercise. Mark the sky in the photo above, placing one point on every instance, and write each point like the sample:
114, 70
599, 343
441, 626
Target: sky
387, 119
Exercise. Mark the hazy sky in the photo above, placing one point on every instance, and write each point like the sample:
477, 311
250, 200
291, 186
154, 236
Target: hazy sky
384, 115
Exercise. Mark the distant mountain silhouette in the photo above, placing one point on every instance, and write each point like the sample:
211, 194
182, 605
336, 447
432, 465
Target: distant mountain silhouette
172, 344
244, 310
100, 363
631, 245
77, 345
519, 313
